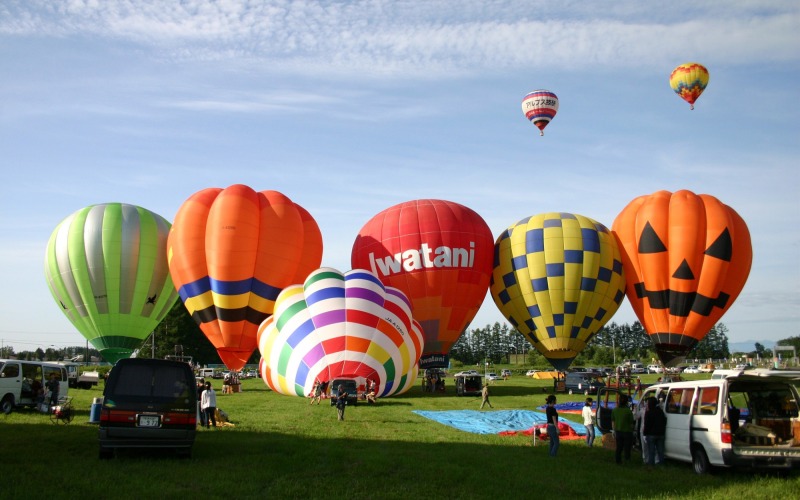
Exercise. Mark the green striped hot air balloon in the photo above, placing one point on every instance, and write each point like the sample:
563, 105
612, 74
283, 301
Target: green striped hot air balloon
106, 266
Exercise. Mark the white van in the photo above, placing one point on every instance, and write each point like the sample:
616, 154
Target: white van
746, 418
20, 382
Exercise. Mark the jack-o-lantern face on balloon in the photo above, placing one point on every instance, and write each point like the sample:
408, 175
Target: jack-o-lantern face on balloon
686, 258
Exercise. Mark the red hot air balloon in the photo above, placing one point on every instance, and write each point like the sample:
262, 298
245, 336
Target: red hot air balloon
438, 253
231, 251
686, 258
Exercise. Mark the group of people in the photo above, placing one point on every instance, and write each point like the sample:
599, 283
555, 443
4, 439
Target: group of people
652, 427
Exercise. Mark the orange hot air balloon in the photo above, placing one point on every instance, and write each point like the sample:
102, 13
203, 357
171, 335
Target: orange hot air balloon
231, 251
686, 258
438, 253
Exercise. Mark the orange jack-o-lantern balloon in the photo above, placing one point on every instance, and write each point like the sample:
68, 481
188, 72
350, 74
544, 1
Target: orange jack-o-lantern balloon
686, 258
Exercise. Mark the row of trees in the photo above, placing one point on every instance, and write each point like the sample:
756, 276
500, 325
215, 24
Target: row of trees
497, 343
613, 343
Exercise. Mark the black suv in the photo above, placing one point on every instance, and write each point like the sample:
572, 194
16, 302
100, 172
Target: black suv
149, 403
350, 387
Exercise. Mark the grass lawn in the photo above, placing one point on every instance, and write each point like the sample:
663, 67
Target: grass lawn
280, 447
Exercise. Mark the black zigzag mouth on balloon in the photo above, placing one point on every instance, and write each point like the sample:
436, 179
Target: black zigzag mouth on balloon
680, 304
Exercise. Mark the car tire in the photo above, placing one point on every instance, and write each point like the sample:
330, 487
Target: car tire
700, 461
106, 453
7, 405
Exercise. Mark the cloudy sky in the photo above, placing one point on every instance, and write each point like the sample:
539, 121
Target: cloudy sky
351, 107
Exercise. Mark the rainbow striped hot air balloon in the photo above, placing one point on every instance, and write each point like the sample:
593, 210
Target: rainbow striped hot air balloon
540, 106
106, 266
689, 81
340, 326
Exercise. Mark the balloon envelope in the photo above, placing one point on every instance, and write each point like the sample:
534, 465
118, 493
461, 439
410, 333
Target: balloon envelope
686, 259
106, 267
340, 326
689, 80
231, 251
558, 279
439, 254
540, 106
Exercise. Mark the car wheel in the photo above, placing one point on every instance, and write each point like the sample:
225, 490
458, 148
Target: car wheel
700, 461
7, 405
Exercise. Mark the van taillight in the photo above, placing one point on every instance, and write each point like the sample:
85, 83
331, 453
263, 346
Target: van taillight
725, 431
180, 419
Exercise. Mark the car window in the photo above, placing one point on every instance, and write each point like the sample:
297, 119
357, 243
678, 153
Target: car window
11, 370
707, 401
679, 401
150, 381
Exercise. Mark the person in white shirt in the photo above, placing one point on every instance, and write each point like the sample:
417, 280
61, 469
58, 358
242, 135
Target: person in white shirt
208, 402
588, 421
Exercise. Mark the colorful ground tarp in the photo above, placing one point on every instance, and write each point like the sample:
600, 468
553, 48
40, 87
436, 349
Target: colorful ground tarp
506, 422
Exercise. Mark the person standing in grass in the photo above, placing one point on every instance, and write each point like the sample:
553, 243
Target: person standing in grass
588, 422
209, 405
317, 393
53, 385
622, 425
341, 401
552, 424
485, 396
654, 429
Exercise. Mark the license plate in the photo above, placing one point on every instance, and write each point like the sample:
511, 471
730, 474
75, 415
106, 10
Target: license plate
148, 421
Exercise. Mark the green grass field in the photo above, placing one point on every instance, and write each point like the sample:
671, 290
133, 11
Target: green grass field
280, 447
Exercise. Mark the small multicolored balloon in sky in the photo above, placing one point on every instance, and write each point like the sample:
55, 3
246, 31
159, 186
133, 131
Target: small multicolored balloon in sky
689, 80
540, 106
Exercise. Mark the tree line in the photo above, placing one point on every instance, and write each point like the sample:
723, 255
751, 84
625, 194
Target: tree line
178, 334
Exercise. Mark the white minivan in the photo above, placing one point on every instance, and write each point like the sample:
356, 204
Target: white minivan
750, 418
21, 382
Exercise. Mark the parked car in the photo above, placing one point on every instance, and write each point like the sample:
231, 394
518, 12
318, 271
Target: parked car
350, 386
691, 369
655, 369
492, 376
467, 372
148, 403
468, 384
583, 382
505, 373
531, 373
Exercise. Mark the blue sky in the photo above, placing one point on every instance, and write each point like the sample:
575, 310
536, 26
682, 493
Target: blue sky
351, 107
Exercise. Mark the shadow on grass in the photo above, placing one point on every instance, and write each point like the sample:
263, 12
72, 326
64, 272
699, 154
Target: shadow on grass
349, 461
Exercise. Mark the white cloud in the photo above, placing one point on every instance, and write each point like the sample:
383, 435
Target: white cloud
423, 39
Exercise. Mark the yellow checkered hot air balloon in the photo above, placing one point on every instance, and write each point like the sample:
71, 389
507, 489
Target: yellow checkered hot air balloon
689, 81
558, 279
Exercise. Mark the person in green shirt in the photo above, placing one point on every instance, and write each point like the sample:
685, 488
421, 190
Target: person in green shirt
622, 424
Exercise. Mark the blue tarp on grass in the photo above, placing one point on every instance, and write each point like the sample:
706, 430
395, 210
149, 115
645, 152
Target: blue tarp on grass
493, 422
